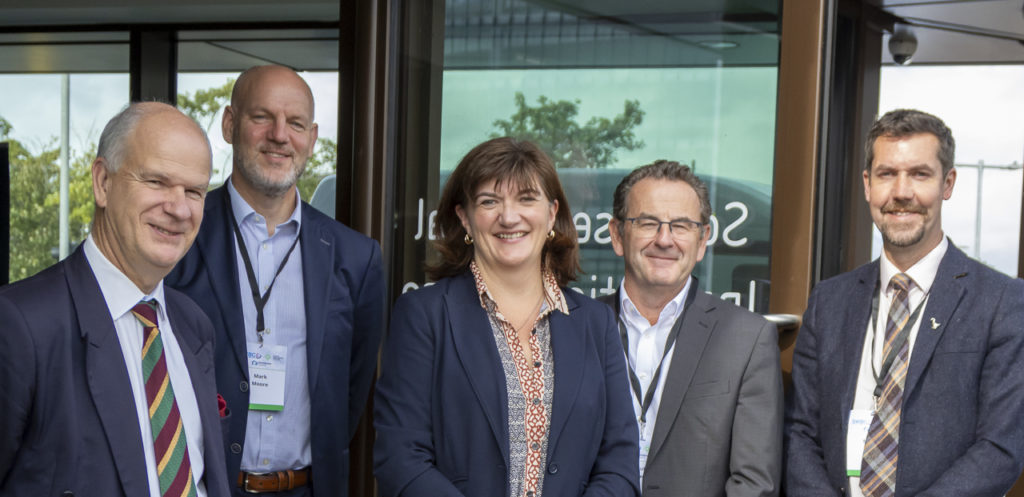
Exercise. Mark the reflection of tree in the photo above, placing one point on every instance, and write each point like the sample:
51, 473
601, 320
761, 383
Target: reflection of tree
203, 106
553, 127
35, 201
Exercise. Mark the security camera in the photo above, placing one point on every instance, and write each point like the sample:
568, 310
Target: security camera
902, 44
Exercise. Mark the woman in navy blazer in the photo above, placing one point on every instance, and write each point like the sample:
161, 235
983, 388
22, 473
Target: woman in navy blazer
497, 380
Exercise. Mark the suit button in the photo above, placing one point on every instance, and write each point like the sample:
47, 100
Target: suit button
244, 386
553, 469
236, 448
68, 493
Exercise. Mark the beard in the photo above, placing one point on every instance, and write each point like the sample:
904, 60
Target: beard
264, 182
902, 234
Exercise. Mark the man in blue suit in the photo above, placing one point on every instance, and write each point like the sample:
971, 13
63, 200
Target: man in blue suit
296, 298
907, 376
94, 399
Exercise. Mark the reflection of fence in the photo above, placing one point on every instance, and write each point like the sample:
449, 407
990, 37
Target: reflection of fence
981, 167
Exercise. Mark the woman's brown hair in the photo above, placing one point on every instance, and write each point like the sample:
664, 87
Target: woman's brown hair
520, 163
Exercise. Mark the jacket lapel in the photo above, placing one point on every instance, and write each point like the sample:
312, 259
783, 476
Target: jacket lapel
317, 248
853, 333
474, 346
108, 376
697, 327
216, 242
568, 346
199, 363
946, 293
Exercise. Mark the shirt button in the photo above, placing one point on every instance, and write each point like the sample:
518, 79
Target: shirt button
643, 376
244, 386
535, 446
236, 448
264, 246
553, 469
266, 461
270, 417
536, 401
529, 494
536, 364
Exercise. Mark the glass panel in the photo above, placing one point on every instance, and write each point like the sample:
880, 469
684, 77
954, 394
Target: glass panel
39, 69
691, 82
981, 219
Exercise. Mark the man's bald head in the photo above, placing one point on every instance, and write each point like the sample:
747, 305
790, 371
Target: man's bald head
270, 127
115, 140
271, 73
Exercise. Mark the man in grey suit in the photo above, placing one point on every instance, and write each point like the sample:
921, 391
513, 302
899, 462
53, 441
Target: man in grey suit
704, 374
907, 372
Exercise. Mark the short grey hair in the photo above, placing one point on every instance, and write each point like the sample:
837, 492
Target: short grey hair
666, 170
114, 138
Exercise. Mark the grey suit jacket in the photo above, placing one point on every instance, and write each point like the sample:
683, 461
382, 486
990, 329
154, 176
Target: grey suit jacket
961, 430
719, 425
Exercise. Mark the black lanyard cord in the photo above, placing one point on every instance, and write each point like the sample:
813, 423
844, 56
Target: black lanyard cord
897, 343
648, 397
259, 300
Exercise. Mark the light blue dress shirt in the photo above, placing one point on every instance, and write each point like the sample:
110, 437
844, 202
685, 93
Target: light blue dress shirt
275, 440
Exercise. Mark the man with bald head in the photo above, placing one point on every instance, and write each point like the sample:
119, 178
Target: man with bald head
106, 376
296, 298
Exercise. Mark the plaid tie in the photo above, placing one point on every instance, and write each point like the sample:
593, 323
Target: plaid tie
169, 445
878, 469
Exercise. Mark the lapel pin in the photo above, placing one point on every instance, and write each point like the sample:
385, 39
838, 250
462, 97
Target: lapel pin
935, 324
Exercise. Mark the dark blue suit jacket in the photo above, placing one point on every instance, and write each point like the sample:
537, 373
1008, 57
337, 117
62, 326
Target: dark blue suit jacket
961, 431
67, 414
344, 292
441, 410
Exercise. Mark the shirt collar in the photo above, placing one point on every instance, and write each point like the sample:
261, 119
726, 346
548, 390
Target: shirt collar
671, 310
243, 211
553, 297
922, 272
119, 292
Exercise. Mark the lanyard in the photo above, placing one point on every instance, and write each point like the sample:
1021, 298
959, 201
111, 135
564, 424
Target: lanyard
897, 343
259, 300
648, 397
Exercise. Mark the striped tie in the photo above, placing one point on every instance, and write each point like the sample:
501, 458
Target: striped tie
878, 469
169, 445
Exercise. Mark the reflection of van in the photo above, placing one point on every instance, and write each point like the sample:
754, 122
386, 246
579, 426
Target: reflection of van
739, 246
735, 265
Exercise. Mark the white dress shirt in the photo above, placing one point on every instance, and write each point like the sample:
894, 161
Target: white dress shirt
923, 274
645, 354
275, 440
121, 295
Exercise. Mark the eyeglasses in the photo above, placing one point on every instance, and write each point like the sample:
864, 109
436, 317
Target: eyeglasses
680, 228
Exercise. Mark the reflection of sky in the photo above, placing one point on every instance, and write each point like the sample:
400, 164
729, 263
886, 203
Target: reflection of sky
31, 103
983, 106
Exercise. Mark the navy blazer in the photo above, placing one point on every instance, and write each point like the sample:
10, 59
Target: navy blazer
68, 424
961, 431
344, 292
441, 410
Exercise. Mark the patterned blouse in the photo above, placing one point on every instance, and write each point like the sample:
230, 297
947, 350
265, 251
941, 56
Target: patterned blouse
529, 386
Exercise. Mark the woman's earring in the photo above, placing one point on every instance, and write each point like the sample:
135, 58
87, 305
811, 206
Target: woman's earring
551, 235
468, 239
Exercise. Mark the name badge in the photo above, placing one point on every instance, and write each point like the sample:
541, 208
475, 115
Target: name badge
266, 376
860, 422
